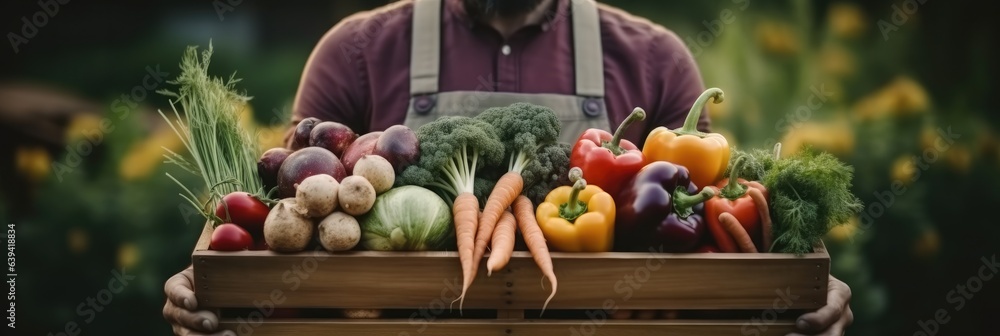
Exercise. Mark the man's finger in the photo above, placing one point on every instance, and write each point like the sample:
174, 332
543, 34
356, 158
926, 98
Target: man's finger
203, 320
179, 290
838, 297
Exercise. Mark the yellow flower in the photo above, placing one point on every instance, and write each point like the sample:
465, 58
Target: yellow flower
78, 240
845, 232
901, 97
144, 157
836, 61
835, 137
958, 158
911, 98
903, 170
927, 244
83, 125
777, 38
128, 255
33, 162
847, 20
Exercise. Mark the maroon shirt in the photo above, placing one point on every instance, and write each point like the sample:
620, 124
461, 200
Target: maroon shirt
358, 74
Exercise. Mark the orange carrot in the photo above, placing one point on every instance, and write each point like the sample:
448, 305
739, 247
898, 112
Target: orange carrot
535, 240
503, 243
465, 211
765, 217
503, 194
732, 225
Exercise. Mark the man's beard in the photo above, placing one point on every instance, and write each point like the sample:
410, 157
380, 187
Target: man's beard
499, 8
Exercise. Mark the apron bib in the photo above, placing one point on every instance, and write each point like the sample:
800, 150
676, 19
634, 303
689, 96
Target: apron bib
576, 113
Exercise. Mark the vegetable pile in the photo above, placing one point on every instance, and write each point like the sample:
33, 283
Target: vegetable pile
471, 184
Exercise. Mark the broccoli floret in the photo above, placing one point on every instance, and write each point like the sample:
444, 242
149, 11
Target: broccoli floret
452, 149
549, 169
522, 128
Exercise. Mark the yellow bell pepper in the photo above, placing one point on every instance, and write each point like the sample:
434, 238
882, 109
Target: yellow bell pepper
580, 218
705, 155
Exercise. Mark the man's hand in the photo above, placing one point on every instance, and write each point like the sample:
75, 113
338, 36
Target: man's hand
180, 312
834, 318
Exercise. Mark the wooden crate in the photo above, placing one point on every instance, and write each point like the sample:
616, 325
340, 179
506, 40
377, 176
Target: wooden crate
426, 282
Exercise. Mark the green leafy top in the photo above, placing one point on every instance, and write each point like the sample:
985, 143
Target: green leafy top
522, 128
810, 193
452, 149
222, 152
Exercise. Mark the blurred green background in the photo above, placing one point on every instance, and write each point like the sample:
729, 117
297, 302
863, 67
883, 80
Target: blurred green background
824, 74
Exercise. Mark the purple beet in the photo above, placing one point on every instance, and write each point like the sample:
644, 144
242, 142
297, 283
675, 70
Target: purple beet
333, 136
307, 162
358, 149
300, 139
268, 165
399, 145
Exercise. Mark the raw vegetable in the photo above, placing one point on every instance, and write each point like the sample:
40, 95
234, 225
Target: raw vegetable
304, 163
535, 241
286, 230
765, 218
364, 145
230, 237
408, 218
302, 134
376, 170
339, 232
399, 145
332, 136
705, 155
550, 169
661, 207
737, 233
732, 198
608, 160
502, 243
222, 152
522, 128
243, 209
356, 195
810, 193
452, 151
316, 195
268, 165
580, 218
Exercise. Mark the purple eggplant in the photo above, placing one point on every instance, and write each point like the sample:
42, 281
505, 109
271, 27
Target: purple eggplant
660, 206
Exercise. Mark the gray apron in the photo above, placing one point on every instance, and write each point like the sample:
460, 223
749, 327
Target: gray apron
577, 112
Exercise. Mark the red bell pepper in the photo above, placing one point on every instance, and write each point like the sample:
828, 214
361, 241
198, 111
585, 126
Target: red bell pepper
608, 161
732, 197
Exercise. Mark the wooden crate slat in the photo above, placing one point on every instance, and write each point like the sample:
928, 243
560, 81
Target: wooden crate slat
317, 327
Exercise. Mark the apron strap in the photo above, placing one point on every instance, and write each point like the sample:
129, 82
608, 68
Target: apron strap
587, 52
426, 47
425, 53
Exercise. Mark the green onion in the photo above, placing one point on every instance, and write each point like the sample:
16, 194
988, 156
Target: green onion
222, 152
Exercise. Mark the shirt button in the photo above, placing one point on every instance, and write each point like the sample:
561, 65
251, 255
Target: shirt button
505, 50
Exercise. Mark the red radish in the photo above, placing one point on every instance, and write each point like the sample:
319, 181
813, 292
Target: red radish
243, 209
230, 237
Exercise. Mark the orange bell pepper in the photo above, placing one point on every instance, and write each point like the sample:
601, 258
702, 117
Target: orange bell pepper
705, 155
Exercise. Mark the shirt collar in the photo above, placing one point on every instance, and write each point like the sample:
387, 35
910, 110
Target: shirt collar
456, 11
